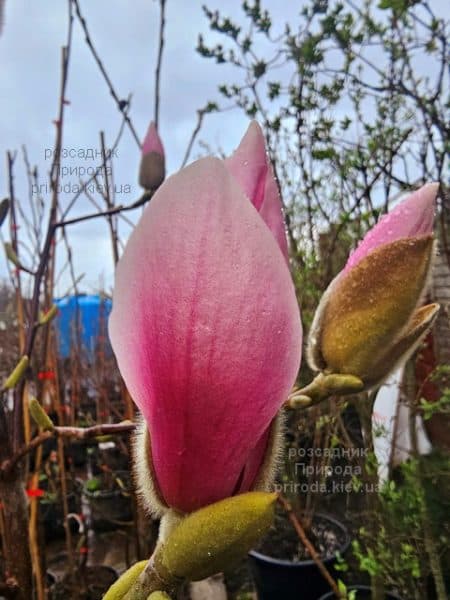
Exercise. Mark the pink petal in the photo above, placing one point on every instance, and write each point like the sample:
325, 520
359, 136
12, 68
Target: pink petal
152, 141
272, 214
253, 464
206, 330
413, 217
250, 165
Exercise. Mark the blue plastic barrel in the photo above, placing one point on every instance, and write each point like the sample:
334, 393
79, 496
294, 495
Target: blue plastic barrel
82, 324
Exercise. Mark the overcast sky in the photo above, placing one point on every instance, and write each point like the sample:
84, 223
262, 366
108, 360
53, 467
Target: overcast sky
126, 36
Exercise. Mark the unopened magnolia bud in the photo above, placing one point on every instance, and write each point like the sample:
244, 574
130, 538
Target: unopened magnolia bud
418, 327
363, 324
152, 170
212, 538
39, 415
17, 374
11, 255
159, 596
49, 315
120, 588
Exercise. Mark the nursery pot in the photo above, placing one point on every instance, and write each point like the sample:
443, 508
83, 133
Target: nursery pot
363, 592
98, 579
51, 511
108, 454
76, 451
277, 578
49, 582
108, 508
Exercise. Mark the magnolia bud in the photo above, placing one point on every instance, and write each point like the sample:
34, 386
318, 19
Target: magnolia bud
121, 587
48, 316
367, 321
152, 170
11, 254
39, 415
17, 373
370, 307
212, 538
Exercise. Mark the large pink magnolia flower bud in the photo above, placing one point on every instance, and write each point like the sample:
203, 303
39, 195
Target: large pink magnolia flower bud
206, 329
370, 318
152, 169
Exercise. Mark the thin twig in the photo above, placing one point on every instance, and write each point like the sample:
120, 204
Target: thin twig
79, 433
107, 213
112, 223
162, 22
47, 248
305, 541
84, 184
121, 104
200, 116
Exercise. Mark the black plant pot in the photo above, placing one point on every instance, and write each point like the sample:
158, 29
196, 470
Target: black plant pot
113, 458
431, 588
109, 508
51, 512
50, 580
276, 578
97, 580
76, 453
363, 592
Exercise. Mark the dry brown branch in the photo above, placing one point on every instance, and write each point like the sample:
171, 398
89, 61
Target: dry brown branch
79, 433
121, 103
162, 22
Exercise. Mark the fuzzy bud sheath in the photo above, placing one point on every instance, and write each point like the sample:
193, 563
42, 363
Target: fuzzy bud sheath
152, 169
370, 318
199, 546
206, 330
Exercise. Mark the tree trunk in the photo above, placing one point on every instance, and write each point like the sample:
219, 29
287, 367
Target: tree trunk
17, 555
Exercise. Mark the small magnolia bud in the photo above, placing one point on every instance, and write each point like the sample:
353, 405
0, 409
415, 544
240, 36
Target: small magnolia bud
11, 255
49, 315
120, 588
159, 596
212, 538
39, 415
17, 374
324, 386
152, 170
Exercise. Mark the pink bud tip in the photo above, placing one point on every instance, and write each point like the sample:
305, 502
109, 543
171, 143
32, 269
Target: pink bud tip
250, 166
152, 141
413, 217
